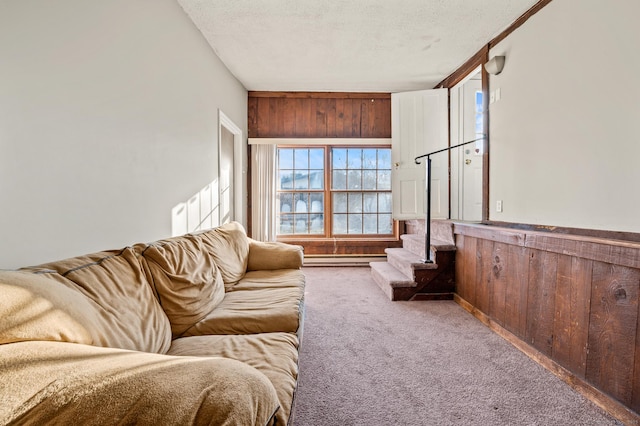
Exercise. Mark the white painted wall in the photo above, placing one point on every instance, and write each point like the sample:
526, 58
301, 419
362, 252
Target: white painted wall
565, 144
108, 119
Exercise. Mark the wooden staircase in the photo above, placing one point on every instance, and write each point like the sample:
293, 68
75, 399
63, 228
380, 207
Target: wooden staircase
405, 276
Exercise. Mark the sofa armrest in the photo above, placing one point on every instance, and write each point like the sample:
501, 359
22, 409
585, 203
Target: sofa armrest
274, 255
67, 383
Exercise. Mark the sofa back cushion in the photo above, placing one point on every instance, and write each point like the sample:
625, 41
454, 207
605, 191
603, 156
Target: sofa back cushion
186, 279
115, 283
229, 246
36, 307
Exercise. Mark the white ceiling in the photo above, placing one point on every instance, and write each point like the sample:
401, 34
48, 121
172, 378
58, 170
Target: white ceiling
348, 45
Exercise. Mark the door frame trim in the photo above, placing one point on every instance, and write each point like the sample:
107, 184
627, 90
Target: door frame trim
455, 126
229, 125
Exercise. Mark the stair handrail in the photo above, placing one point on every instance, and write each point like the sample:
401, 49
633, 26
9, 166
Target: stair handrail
427, 238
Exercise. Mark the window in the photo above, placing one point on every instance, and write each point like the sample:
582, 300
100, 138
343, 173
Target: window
351, 196
301, 190
479, 122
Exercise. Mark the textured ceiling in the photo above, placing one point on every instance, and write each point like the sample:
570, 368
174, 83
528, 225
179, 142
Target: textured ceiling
348, 45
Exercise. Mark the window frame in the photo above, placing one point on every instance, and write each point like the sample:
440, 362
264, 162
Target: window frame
328, 198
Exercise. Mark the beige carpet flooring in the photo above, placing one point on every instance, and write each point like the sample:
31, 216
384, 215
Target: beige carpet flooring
365, 360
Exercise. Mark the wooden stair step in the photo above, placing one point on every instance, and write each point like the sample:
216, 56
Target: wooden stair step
407, 262
416, 244
442, 231
389, 279
391, 276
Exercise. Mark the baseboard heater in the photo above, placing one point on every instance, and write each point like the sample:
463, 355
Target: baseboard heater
342, 260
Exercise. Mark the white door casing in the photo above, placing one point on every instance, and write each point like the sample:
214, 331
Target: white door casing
230, 170
227, 186
467, 161
419, 126
472, 153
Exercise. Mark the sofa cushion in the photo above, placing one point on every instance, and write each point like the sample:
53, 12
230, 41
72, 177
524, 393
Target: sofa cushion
273, 354
35, 307
264, 310
274, 255
186, 278
229, 246
114, 281
271, 279
65, 384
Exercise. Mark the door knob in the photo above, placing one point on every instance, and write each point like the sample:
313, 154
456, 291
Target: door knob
467, 161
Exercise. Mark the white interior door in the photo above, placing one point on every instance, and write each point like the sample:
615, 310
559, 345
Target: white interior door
419, 126
472, 153
467, 161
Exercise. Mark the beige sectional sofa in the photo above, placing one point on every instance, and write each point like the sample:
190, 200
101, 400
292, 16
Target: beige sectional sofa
198, 329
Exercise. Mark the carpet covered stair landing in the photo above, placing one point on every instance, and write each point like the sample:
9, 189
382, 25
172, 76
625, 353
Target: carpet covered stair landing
405, 275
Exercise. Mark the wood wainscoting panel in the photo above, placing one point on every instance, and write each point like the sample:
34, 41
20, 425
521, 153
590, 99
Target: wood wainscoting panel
484, 280
635, 397
541, 300
461, 285
516, 296
571, 321
499, 281
613, 329
466, 269
570, 300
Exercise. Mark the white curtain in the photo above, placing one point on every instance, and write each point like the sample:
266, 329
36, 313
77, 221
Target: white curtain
263, 192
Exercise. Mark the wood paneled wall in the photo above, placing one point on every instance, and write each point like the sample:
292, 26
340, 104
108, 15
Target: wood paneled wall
574, 299
319, 115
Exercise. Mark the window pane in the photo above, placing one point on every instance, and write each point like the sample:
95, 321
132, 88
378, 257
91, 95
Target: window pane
370, 203
286, 224
355, 203
339, 158
286, 202
301, 224
355, 224
302, 202
340, 202
354, 179
385, 224
317, 224
285, 158
384, 202
384, 179
384, 158
316, 179
369, 158
316, 158
317, 203
286, 179
339, 223
339, 179
369, 178
370, 224
354, 156
301, 160
301, 180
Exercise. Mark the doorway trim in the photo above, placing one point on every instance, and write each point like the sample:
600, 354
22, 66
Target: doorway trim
455, 136
225, 122
480, 58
